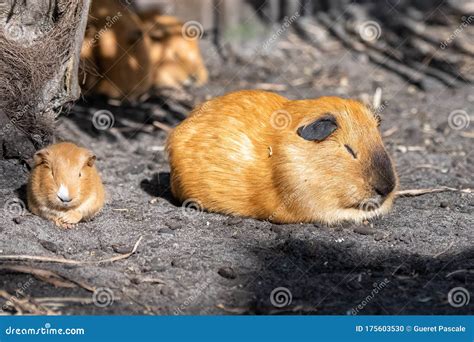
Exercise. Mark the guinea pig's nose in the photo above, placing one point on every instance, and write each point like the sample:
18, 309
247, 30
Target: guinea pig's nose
63, 194
383, 176
384, 189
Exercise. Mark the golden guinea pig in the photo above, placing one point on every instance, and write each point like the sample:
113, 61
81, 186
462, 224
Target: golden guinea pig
64, 185
176, 58
115, 59
257, 154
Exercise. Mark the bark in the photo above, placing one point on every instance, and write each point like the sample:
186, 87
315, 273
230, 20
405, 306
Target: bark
41, 42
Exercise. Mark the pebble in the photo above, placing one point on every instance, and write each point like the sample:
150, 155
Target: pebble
166, 231
173, 225
227, 272
232, 221
18, 220
141, 151
50, 246
167, 291
364, 230
444, 204
121, 249
178, 263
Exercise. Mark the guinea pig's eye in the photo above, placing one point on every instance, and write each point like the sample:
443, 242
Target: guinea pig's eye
80, 174
351, 151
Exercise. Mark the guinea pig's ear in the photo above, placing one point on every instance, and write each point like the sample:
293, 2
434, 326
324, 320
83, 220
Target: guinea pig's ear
91, 160
318, 130
40, 157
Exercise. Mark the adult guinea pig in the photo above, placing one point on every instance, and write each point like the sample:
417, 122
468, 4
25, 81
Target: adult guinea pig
258, 154
64, 185
115, 52
174, 52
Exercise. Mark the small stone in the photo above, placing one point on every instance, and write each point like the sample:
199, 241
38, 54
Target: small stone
177, 263
173, 225
167, 291
166, 231
364, 230
18, 220
50, 246
444, 204
121, 249
232, 221
227, 272
141, 151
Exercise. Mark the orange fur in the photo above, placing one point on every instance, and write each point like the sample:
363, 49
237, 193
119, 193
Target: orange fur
72, 168
233, 155
117, 47
176, 60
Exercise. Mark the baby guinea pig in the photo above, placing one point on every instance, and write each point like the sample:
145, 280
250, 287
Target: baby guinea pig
64, 185
260, 155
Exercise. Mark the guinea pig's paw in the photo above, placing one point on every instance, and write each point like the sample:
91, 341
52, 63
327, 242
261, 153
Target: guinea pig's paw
59, 223
69, 219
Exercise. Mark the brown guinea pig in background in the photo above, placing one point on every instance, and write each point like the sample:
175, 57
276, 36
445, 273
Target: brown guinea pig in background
176, 60
64, 185
115, 52
260, 155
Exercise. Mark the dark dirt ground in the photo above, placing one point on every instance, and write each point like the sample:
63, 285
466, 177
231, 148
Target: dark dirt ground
420, 251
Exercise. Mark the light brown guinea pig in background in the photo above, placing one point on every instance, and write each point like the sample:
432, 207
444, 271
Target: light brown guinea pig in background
64, 185
115, 52
176, 59
260, 155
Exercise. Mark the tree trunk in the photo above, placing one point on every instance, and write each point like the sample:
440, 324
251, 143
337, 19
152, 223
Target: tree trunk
39, 58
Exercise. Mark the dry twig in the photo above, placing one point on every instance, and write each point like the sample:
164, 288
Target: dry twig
69, 261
